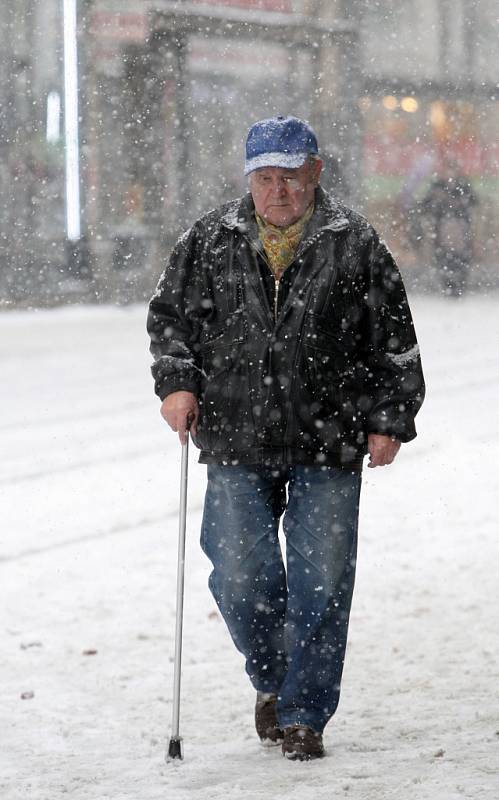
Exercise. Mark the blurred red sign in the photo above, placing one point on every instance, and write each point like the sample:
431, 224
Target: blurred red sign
119, 25
384, 155
257, 5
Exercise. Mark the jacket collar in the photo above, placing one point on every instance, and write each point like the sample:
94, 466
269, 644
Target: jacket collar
328, 215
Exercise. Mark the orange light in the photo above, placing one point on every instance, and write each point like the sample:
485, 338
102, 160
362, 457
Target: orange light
390, 102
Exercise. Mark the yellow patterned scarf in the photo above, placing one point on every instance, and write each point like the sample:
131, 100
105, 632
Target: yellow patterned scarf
280, 244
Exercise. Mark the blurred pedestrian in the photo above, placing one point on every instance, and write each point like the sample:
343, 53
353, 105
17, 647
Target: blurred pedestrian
448, 205
281, 332
409, 201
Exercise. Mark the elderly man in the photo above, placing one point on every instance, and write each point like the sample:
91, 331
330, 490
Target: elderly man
282, 336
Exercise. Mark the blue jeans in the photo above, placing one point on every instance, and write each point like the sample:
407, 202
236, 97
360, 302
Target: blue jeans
290, 623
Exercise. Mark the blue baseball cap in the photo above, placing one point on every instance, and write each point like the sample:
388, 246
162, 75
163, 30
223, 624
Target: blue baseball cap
279, 142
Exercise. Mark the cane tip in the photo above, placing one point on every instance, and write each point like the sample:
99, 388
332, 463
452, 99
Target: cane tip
175, 749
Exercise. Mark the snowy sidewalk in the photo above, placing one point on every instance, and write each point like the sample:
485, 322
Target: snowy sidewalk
88, 504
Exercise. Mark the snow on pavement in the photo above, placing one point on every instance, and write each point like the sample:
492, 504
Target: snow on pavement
88, 508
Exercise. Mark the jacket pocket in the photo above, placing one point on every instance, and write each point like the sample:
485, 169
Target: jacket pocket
224, 410
330, 354
332, 375
332, 336
220, 350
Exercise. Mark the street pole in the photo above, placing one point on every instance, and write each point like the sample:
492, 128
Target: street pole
71, 133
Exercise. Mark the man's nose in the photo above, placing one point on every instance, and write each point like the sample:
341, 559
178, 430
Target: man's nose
279, 186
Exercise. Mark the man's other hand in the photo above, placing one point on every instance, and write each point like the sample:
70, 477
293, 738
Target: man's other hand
382, 449
179, 409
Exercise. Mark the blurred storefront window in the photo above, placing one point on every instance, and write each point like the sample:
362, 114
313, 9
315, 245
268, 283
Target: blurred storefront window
409, 141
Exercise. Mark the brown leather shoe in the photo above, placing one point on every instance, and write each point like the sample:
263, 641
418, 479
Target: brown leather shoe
266, 723
301, 743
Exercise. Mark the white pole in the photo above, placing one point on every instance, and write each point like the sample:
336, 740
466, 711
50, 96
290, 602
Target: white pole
73, 227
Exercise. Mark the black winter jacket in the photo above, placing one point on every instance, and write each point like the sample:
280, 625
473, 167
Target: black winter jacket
299, 380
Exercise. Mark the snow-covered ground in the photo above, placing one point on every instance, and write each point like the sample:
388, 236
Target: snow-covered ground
89, 491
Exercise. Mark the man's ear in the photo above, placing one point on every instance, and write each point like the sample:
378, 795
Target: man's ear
317, 169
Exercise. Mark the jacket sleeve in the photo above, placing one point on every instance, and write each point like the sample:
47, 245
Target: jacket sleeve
394, 376
175, 317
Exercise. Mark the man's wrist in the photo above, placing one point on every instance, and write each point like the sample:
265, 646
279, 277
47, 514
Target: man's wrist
164, 391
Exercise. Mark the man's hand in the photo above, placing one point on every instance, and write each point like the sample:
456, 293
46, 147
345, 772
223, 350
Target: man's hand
382, 449
179, 409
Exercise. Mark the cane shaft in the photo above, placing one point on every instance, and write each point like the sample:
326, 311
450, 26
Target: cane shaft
180, 590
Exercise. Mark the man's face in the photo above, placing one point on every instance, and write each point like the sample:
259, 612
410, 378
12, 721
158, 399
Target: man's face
281, 196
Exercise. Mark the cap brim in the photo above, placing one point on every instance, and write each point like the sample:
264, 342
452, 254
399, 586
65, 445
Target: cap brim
285, 160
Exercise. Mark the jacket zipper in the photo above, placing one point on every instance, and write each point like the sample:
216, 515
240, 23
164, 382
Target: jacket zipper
276, 299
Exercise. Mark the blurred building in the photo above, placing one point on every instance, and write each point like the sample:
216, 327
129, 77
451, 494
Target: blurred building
168, 90
430, 105
178, 85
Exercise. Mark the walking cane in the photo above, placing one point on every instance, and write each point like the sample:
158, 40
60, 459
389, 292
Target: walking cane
175, 748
